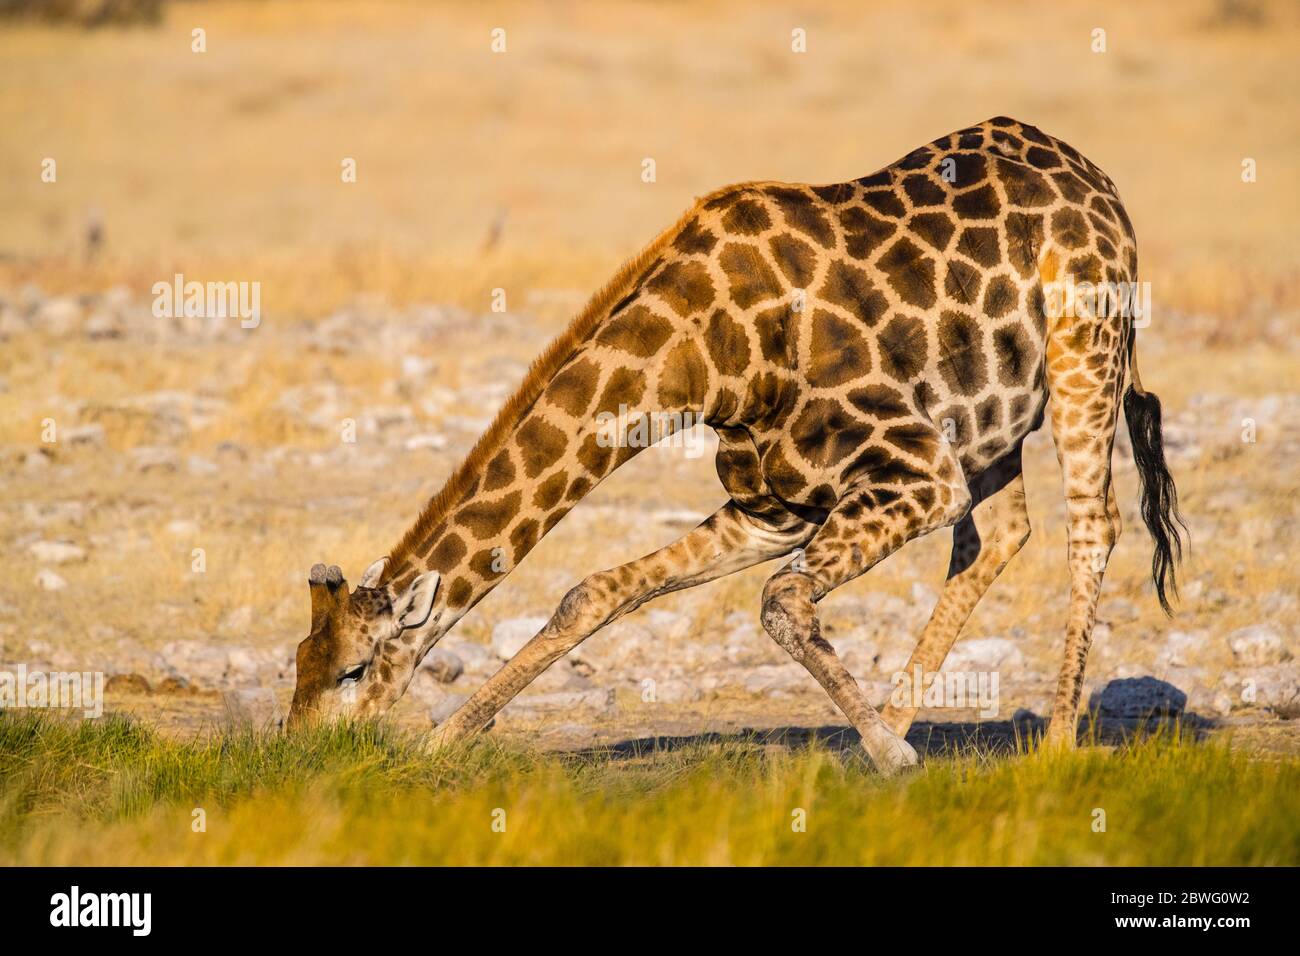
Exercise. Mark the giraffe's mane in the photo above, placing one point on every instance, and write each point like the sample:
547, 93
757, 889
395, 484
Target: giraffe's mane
539, 375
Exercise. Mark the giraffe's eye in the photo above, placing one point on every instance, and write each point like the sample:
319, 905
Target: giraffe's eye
353, 675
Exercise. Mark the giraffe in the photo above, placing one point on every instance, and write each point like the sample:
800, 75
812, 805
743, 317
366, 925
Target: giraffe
871, 354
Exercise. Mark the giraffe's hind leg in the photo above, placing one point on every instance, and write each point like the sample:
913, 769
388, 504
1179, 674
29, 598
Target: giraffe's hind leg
982, 544
867, 525
1083, 427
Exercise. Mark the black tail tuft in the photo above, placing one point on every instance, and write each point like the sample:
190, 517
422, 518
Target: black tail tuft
1159, 497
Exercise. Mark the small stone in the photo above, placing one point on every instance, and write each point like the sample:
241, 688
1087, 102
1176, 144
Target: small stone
47, 580
84, 436
678, 518
443, 665
155, 458
37, 460
775, 680
1257, 646
674, 691
509, 636
984, 654
127, 684
56, 552
104, 325
174, 685
198, 465
1178, 649
445, 707
1138, 697
417, 442
252, 709
237, 621
924, 596
597, 700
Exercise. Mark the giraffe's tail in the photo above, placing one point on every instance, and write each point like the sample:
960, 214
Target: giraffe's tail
1159, 496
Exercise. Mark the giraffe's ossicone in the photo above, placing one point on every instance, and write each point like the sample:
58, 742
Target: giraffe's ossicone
871, 354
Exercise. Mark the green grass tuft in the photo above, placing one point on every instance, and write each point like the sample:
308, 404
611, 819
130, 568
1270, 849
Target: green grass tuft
114, 792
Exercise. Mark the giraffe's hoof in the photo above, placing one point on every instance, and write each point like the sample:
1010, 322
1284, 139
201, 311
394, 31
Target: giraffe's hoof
893, 755
1061, 735
1058, 741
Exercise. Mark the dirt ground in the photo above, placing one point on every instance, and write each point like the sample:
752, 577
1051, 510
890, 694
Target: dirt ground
168, 482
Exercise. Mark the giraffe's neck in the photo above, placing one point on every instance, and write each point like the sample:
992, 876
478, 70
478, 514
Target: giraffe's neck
592, 415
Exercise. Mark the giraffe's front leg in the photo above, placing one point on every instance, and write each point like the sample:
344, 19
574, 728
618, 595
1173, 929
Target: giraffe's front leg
867, 525
729, 541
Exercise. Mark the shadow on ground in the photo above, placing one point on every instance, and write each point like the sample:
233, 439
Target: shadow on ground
929, 739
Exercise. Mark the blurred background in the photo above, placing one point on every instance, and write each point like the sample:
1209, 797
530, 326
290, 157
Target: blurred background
229, 160
502, 146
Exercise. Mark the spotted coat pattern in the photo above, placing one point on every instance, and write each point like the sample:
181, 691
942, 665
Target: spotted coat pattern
871, 355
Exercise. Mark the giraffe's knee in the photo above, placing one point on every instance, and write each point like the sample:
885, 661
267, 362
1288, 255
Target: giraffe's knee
1113, 514
583, 609
1018, 532
1094, 530
788, 611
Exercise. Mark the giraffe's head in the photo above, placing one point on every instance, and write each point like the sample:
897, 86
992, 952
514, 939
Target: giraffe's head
336, 672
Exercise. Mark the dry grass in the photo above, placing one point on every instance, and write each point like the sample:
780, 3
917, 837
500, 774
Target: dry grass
227, 163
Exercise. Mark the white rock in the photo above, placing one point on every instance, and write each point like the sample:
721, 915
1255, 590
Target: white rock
678, 518
47, 580
252, 709
924, 596
155, 458
59, 314
202, 663
775, 679
416, 366
416, 442
468, 651
1276, 686
88, 436
984, 654
509, 636
56, 552
667, 625
237, 621
248, 664
445, 707
674, 690
1178, 649
198, 465
586, 700
37, 460
1257, 646
442, 665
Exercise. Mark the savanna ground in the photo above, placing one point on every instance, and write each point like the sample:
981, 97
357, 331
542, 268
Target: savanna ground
197, 469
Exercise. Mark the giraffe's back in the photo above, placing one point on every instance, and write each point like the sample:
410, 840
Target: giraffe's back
840, 327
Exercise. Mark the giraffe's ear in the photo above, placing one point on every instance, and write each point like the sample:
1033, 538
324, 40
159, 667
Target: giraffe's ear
370, 577
412, 609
